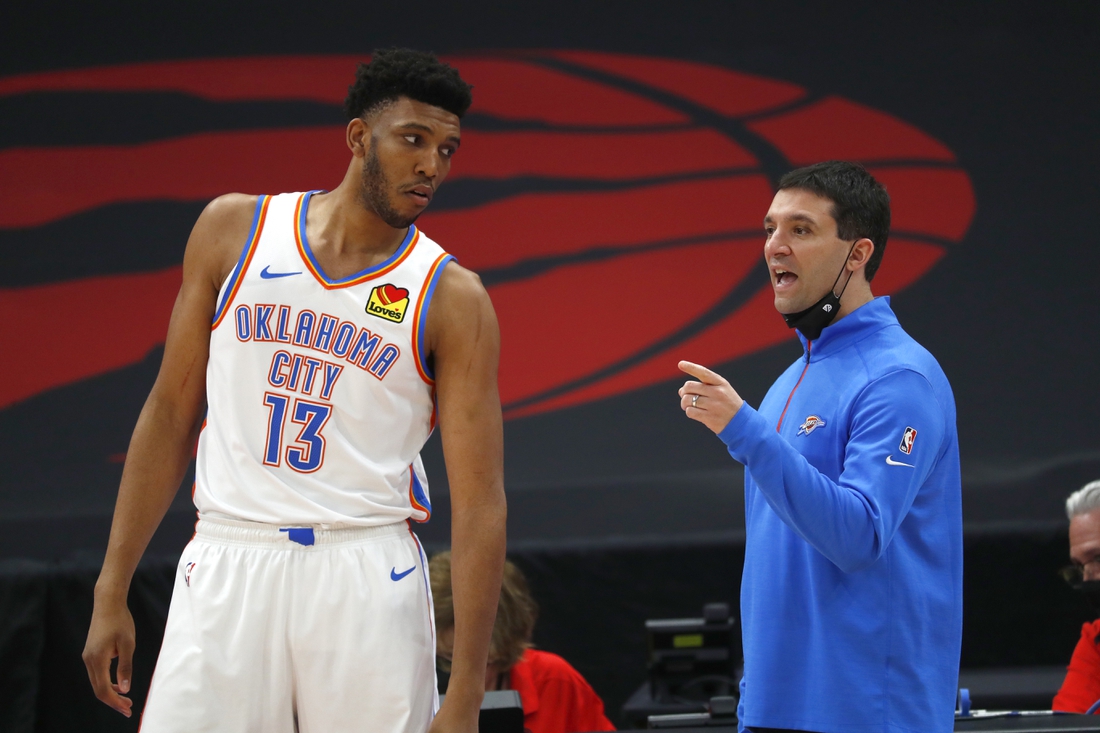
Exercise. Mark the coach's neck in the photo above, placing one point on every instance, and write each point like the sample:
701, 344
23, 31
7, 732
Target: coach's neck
857, 294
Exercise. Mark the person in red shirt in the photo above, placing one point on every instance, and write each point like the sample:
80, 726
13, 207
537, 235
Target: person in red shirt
555, 697
1081, 688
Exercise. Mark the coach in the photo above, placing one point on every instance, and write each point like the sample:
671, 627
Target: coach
851, 595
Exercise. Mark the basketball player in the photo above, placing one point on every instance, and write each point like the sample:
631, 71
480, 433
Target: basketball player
320, 354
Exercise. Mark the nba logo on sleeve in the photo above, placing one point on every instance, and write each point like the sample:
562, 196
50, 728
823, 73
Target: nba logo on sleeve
907, 439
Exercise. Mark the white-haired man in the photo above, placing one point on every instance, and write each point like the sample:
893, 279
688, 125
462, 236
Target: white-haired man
1081, 688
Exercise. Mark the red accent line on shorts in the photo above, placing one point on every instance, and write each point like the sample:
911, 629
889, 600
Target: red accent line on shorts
424, 565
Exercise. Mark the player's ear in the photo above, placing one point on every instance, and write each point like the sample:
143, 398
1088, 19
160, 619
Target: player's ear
358, 137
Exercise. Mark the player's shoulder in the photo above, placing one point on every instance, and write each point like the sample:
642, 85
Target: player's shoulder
230, 209
456, 283
459, 287
225, 221
461, 311
220, 232
461, 279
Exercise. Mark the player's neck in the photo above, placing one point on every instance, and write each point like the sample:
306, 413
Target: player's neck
339, 223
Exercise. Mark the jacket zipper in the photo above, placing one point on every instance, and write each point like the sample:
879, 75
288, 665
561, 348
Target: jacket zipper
809, 346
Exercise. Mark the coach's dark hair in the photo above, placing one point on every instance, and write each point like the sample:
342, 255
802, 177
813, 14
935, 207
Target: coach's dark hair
403, 72
861, 205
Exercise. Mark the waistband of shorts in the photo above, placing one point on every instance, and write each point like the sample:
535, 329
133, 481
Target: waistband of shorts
257, 533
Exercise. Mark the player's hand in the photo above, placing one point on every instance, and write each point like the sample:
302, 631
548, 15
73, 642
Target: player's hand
111, 635
717, 403
452, 719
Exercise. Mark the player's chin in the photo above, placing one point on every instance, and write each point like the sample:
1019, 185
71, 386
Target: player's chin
401, 219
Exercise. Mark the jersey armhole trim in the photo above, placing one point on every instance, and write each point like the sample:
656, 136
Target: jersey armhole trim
435, 416
418, 498
244, 261
421, 313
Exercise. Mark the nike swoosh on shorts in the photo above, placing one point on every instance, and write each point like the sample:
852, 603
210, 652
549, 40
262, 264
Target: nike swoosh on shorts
890, 461
394, 575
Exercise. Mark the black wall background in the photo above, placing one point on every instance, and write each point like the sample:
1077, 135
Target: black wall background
612, 499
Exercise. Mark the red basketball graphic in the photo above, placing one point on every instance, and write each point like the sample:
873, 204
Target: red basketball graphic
611, 203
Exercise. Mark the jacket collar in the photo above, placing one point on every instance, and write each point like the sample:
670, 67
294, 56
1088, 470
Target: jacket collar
856, 326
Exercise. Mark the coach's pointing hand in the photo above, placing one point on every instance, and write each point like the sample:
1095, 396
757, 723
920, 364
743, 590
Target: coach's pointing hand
711, 400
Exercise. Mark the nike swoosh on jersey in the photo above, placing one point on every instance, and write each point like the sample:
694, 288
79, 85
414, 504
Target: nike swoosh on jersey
890, 461
266, 274
394, 575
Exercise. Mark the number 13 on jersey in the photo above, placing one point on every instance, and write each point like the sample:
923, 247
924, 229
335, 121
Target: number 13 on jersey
307, 452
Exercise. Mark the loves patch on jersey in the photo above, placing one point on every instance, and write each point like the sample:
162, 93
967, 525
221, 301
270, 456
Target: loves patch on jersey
389, 302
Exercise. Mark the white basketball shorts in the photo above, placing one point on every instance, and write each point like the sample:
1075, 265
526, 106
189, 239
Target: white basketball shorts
285, 630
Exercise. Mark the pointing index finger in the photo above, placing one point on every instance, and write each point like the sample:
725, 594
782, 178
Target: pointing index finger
700, 372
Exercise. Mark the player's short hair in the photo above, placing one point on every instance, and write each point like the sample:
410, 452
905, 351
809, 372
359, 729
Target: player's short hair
402, 72
1084, 500
861, 205
516, 612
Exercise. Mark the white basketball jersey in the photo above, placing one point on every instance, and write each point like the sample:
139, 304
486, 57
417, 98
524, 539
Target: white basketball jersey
319, 392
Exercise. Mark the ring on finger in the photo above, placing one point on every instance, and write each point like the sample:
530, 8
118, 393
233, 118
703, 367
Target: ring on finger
695, 400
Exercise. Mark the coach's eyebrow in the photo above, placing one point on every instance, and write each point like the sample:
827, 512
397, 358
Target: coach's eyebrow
769, 219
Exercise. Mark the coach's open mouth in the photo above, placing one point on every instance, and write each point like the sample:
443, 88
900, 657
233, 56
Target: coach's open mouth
784, 278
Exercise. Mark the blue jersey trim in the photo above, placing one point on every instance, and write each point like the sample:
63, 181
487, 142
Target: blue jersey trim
237, 269
420, 495
429, 292
409, 236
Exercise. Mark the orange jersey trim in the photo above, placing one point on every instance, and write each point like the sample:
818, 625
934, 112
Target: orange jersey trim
413, 501
421, 312
400, 256
244, 262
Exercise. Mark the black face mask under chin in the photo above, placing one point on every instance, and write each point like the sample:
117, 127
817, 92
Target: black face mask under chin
812, 321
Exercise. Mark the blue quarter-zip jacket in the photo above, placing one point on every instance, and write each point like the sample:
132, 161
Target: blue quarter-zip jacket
851, 596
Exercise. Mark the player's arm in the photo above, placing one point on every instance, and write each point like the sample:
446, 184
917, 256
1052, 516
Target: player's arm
163, 439
465, 342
